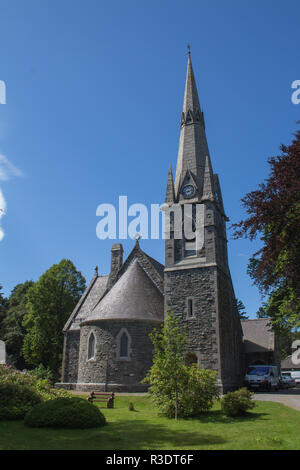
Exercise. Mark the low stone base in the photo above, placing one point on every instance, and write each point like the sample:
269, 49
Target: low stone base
100, 387
225, 387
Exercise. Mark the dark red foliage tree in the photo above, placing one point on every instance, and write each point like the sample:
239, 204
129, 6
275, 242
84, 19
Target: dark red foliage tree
274, 215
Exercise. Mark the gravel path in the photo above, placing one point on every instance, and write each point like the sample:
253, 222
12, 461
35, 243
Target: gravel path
290, 397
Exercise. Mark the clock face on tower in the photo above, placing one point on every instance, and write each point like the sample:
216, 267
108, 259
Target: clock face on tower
188, 191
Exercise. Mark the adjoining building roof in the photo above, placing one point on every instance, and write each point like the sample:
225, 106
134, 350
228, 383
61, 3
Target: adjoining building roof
287, 363
258, 335
133, 297
91, 295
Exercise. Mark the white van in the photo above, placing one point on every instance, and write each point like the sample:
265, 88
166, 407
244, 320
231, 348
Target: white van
262, 377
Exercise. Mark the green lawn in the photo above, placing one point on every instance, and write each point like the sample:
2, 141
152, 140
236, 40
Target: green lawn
269, 426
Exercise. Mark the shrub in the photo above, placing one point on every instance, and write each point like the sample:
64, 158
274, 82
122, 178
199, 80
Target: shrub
65, 413
43, 373
200, 391
237, 403
16, 400
196, 392
19, 391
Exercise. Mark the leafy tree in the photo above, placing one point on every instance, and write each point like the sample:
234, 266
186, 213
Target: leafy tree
168, 361
274, 215
13, 329
177, 390
241, 310
261, 312
284, 326
50, 302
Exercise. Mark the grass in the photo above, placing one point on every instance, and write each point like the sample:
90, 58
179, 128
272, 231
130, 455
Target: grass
269, 426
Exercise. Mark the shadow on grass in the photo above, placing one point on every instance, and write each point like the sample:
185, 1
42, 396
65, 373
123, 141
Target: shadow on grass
141, 434
217, 416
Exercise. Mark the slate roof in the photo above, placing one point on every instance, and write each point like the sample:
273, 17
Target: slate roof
133, 297
258, 335
91, 295
153, 268
288, 364
98, 288
156, 264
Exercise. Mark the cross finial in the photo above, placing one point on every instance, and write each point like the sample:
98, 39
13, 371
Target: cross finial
137, 237
189, 48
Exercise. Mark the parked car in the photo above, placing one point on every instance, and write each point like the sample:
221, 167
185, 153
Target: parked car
295, 374
264, 377
287, 380
282, 384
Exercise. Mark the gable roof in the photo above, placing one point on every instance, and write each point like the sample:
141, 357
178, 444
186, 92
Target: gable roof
153, 268
98, 287
258, 335
92, 293
133, 297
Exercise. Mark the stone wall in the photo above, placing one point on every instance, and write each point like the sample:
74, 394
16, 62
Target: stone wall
70, 356
106, 368
200, 284
214, 334
230, 335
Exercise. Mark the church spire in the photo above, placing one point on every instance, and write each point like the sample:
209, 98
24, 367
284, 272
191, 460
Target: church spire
193, 148
191, 98
170, 195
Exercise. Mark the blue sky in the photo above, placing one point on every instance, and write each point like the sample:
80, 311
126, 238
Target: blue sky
94, 96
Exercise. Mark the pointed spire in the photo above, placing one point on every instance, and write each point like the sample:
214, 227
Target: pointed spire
170, 194
192, 145
191, 98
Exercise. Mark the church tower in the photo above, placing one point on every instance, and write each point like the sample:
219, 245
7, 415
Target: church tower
198, 285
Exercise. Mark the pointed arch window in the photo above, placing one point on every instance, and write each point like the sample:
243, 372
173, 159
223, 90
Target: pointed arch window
91, 346
124, 345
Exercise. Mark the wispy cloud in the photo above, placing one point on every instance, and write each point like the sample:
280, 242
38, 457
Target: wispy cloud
2, 211
7, 171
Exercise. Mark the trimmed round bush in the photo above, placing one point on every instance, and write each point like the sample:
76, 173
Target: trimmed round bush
65, 413
237, 403
16, 399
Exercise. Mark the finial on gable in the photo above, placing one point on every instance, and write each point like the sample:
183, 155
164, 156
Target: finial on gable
96, 271
137, 237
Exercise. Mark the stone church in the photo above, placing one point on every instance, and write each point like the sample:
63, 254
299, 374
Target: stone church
106, 339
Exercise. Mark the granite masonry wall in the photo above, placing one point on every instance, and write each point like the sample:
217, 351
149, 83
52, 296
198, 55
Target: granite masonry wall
230, 335
214, 333
71, 355
106, 370
199, 284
